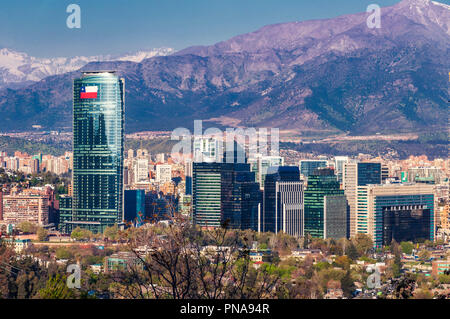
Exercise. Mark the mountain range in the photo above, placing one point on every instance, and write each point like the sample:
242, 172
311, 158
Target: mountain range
18, 69
318, 76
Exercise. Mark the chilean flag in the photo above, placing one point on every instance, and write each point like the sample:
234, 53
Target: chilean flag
88, 92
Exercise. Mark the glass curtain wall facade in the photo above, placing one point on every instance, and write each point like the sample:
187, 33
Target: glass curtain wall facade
283, 201
98, 129
320, 184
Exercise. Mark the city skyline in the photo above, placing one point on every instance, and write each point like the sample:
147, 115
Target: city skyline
306, 160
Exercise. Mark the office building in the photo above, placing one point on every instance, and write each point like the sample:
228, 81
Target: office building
400, 212
225, 193
307, 167
141, 170
325, 206
283, 201
163, 173
207, 150
188, 177
358, 174
134, 212
339, 162
260, 164
98, 137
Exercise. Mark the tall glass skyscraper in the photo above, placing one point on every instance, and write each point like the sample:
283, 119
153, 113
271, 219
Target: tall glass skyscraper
283, 201
98, 136
322, 192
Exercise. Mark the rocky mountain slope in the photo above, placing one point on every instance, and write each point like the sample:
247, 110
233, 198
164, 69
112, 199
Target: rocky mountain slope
334, 75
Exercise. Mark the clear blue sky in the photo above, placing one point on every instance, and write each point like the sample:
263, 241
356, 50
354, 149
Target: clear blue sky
38, 27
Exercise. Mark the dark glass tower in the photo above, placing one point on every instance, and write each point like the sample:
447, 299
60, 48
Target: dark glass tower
283, 201
98, 129
225, 194
321, 184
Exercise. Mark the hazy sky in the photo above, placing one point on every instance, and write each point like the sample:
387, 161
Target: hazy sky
38, 27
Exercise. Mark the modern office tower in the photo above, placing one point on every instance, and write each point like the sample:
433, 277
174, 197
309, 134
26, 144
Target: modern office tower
307, 167
98, 134
207, 150
335, 216
207, 194
134, 213
65, 213
325, 206
225, 193
283, 201
240, 196
339, 162
260, 164
141, 170
400, 212
354, 175
163, 173
159, 207
188, 175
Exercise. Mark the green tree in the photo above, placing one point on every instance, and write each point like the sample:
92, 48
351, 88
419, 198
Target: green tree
343, 262
352, 252
111, 233
56, 288
80, 234
27, 227
63, 253
42, 234
407, 247
347, 284
363, 243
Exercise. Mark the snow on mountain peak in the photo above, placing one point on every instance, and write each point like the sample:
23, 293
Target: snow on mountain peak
18, 69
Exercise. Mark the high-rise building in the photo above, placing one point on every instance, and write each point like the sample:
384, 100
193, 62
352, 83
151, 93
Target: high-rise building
141, 170
307, 167
283, 201
260, 164
358, 174
207, 194
188, 175
325, 206
400, 212
163, 173
134, 212
225, 193
339, 162
98, 136
19, 208
207, 150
